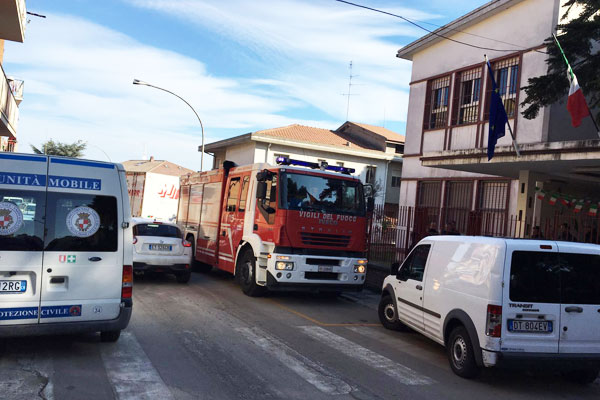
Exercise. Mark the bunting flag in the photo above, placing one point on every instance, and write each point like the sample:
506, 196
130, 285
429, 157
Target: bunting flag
553, 199
578, 207
565, 201
593, 210
541, 194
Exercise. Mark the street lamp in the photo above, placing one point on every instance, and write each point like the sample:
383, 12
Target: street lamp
138, 82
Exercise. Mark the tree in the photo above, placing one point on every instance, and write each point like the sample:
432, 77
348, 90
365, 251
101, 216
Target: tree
577, 39
53, 148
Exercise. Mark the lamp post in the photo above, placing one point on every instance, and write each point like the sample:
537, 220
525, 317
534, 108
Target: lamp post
138, 82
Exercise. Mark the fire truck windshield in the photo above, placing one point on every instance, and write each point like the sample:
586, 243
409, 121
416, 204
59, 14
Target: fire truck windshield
324, 194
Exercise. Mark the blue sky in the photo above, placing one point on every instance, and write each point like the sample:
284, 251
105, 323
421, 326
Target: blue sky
243, 65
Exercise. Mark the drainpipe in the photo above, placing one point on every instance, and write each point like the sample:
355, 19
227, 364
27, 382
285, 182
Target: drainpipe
387, 170
267, 152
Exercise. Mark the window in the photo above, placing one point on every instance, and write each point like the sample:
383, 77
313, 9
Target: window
437, 103
468, 92
414, 266
22, 221
60, 236
457, 205
534, 277
506, 74
270, 200
161, 230
428, 199
233, 194
244, 196
396, 181
399, 149
370, 175
492, 207
580, 280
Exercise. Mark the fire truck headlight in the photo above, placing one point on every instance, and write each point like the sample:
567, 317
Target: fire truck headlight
284, 266
359, 269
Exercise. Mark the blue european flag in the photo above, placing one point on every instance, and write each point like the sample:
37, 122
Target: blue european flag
498, 117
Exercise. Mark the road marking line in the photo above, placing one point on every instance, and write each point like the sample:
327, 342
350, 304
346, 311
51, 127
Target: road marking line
315, 321
309, 370
397, 371
130, 372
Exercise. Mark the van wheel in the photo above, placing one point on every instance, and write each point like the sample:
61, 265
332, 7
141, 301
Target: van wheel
584, 377
183, 277
461, 354
246, 275
110, 336
388, 315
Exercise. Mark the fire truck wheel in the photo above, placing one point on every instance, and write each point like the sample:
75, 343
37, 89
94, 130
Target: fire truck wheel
246, 275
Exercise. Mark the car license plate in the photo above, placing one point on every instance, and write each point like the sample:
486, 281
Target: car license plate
325, 268
530, 326
13, 286
160, 247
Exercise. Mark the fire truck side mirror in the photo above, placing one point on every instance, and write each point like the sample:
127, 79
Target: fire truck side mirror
261, 190
370, 204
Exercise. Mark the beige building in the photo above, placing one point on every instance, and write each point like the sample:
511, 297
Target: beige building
13, 18
374, 152
446, 173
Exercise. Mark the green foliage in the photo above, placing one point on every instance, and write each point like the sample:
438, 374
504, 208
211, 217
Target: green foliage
576, 38
53, 148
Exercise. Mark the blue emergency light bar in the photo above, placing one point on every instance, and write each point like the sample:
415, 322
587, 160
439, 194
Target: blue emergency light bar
323, 165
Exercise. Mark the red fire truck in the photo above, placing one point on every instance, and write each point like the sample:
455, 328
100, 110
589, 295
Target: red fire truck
297, 225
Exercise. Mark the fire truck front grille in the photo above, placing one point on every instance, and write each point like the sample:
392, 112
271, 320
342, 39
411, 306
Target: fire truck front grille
328, 276
322, 239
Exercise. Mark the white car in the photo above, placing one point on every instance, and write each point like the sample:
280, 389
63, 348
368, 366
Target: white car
494, 302
160, 247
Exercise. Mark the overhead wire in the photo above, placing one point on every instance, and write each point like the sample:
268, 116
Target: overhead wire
439, 34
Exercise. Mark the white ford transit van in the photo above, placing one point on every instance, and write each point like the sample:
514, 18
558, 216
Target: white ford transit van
496, 302
66, 263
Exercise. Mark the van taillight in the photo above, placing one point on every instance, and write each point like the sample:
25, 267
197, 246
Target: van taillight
134, 239
185, 243
493, 324
127, 289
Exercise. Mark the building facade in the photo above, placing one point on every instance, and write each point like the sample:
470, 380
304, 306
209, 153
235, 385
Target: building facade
13, 17
374, 152
446, 174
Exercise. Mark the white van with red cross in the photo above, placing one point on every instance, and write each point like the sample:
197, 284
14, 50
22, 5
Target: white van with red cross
66, 252
494, 302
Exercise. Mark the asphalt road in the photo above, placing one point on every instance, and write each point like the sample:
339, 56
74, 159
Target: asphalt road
207, 340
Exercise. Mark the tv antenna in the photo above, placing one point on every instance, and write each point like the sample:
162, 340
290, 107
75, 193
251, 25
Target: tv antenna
350, 84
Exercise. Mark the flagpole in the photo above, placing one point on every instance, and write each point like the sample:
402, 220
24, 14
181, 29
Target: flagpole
512, 135
572, 74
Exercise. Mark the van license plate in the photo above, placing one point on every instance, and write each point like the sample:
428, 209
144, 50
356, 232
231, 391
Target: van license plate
13, 286
530, 326
160, 247
325, 268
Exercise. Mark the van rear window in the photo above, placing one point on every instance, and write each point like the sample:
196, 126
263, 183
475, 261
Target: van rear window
81, 222
156, 230
22, 220
558, 278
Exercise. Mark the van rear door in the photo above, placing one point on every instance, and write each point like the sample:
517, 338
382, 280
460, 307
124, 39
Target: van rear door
83, 260
22, 210
580, 308
531, 304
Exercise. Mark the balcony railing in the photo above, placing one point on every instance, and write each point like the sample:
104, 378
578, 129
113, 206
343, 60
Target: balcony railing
16, 87
9, 112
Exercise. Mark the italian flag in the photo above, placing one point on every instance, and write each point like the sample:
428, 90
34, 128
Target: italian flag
541, 194
593, 210
552, 200
576, 103
578, 207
